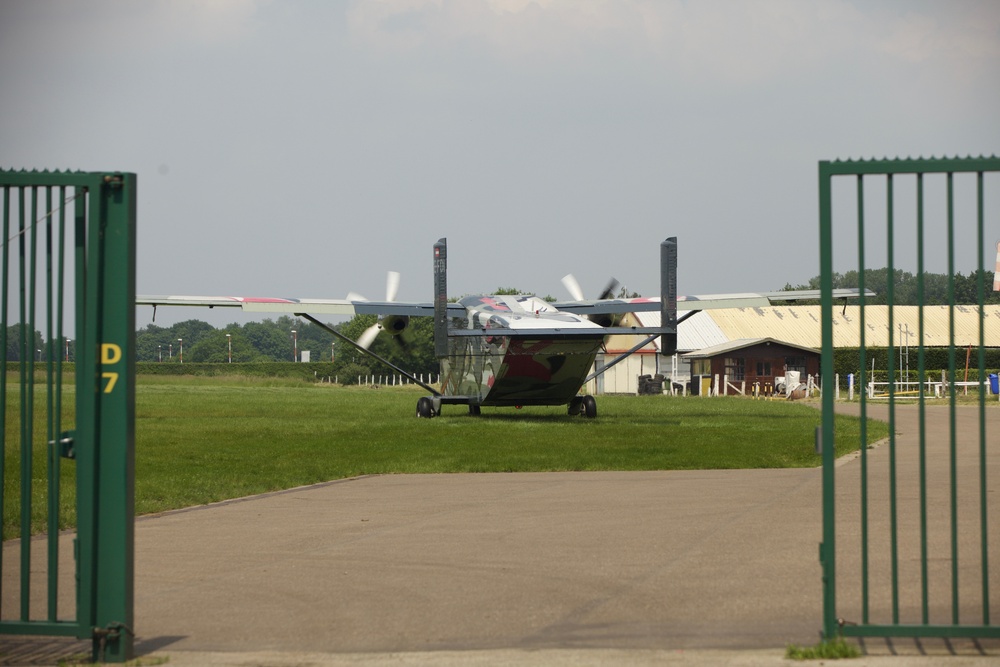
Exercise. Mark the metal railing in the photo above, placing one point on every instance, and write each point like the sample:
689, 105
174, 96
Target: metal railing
916, 505
52, 220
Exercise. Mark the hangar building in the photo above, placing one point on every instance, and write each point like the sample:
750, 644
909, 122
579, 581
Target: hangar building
795, 326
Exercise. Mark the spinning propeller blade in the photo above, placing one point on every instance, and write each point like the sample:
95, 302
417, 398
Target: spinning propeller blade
572, 286
609, 290
369, 335
391, 286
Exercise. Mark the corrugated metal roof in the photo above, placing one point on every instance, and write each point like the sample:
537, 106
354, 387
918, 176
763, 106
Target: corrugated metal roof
694, 333
800, 325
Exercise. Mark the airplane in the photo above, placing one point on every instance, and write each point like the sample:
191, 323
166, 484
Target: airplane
509, 350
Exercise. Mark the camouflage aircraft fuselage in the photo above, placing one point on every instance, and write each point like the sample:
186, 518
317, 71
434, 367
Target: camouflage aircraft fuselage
519, 367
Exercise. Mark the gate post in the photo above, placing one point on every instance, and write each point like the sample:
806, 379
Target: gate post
106, 428
827, 548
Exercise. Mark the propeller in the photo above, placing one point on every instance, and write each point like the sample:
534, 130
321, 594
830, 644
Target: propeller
572, 286
609, 290
369, 335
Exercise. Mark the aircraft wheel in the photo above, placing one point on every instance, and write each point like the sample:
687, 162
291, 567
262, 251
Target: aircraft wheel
575, 406
425, 408
475, 410
589, 407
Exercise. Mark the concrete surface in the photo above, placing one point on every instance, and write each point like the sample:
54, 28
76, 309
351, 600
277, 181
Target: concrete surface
673, 567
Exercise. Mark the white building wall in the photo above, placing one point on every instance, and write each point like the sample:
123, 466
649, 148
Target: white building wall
623, 378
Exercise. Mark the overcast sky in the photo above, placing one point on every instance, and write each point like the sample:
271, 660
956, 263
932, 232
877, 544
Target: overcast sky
305, 148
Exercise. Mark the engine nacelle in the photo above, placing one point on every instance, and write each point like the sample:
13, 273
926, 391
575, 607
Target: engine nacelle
608, 320
394, 324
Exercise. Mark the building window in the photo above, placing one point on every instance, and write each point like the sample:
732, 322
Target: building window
735, 368
795, 364
763, 368
701, 366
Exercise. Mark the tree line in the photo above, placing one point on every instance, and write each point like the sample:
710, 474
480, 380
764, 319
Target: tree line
413, 351
905, 287
286, 339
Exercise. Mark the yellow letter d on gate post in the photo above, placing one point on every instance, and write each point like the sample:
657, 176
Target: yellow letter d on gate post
110, 354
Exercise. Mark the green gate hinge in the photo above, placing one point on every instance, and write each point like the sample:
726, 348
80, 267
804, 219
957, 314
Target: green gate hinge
65, 443
103, 636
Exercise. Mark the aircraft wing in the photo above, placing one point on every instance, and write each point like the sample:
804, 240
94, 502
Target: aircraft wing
426, 309
705, 302
293, 306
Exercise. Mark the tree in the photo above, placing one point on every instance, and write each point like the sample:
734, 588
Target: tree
214, 348
191, 331
311, 337
14, 344
269, 341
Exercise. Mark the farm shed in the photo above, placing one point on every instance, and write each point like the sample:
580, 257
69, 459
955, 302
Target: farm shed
751, 360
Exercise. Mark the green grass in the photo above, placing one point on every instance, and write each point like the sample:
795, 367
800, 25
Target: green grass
202, 440
835, 650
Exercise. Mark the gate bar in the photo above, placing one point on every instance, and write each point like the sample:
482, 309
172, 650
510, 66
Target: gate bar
3, 345
922, 410
952, 430
27, 377
984, 531
891, 369
864, 400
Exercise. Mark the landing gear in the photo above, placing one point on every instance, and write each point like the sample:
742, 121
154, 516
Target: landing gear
583, 405
474, 410
425, 407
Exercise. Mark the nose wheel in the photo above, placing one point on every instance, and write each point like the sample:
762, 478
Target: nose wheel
583, 405
425, 407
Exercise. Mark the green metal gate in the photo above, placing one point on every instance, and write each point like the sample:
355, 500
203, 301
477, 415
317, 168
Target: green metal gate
916, 559
69, 397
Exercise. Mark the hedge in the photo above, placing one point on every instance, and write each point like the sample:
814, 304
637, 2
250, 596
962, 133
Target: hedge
846, 360
305, 371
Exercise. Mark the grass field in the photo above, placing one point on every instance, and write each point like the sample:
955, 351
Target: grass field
201, 440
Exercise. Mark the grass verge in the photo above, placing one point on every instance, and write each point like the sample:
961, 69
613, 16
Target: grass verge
202, 440
835, 650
